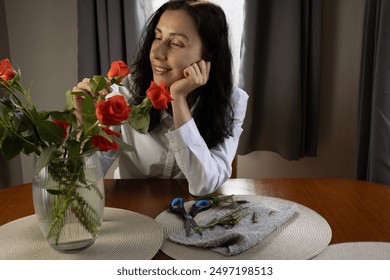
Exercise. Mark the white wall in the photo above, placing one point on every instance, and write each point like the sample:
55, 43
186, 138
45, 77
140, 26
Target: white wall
339, 98
43, 42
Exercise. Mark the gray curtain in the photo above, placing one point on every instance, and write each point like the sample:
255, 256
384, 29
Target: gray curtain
108, 30
280, 70
10, 171
374, 102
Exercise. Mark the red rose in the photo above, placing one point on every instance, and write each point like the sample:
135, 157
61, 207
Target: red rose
64, 126
118, 70
159, 95
7, 71
111, 132
113, 110
102, 143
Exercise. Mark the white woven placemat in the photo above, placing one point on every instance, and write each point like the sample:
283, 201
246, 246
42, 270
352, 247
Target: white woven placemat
302, 237
124, 235
356, 251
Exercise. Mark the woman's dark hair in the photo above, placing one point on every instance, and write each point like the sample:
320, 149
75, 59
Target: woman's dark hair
214, 113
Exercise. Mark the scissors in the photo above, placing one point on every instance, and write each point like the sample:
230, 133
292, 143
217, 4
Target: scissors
177, 207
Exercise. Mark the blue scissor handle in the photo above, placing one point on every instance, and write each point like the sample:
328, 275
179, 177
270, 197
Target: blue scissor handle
199, 206
177, 206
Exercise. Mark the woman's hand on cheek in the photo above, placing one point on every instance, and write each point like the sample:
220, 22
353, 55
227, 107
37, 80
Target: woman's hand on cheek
195, 75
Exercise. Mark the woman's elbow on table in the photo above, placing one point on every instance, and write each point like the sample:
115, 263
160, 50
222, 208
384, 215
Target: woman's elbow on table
203, 185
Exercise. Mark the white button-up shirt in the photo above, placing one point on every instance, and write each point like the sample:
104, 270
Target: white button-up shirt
178, 153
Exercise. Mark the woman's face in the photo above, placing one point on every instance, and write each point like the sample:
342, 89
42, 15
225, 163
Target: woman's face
177, 45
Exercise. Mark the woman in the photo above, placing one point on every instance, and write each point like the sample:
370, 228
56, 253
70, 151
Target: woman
185, 45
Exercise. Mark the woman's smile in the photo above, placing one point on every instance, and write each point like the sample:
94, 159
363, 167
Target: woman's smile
158, 70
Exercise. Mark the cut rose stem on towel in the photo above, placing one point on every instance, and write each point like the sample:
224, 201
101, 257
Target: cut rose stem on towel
231, 218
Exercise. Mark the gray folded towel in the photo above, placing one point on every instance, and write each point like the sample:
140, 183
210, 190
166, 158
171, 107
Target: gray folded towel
260, 220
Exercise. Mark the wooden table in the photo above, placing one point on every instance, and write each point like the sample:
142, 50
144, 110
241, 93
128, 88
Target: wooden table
355, 210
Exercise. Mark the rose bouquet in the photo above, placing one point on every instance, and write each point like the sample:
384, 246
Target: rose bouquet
54, 135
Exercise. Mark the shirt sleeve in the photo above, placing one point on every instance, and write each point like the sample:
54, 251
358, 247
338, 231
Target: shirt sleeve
207, 169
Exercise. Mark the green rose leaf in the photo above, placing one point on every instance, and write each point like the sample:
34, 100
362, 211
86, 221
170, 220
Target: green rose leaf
11, 146
50, 132
88, 110
65, 116
21, 122
55, 192
69, 100
140, 123
124, 146
45, 158
139, 117
2, 135
73, 147
29, 147
4, 112
98, 83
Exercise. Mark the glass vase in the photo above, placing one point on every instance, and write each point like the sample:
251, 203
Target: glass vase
68, 196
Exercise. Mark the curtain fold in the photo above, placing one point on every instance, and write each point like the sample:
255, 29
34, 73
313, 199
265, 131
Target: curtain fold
374, 98
10, 171
108, 30
280, 70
